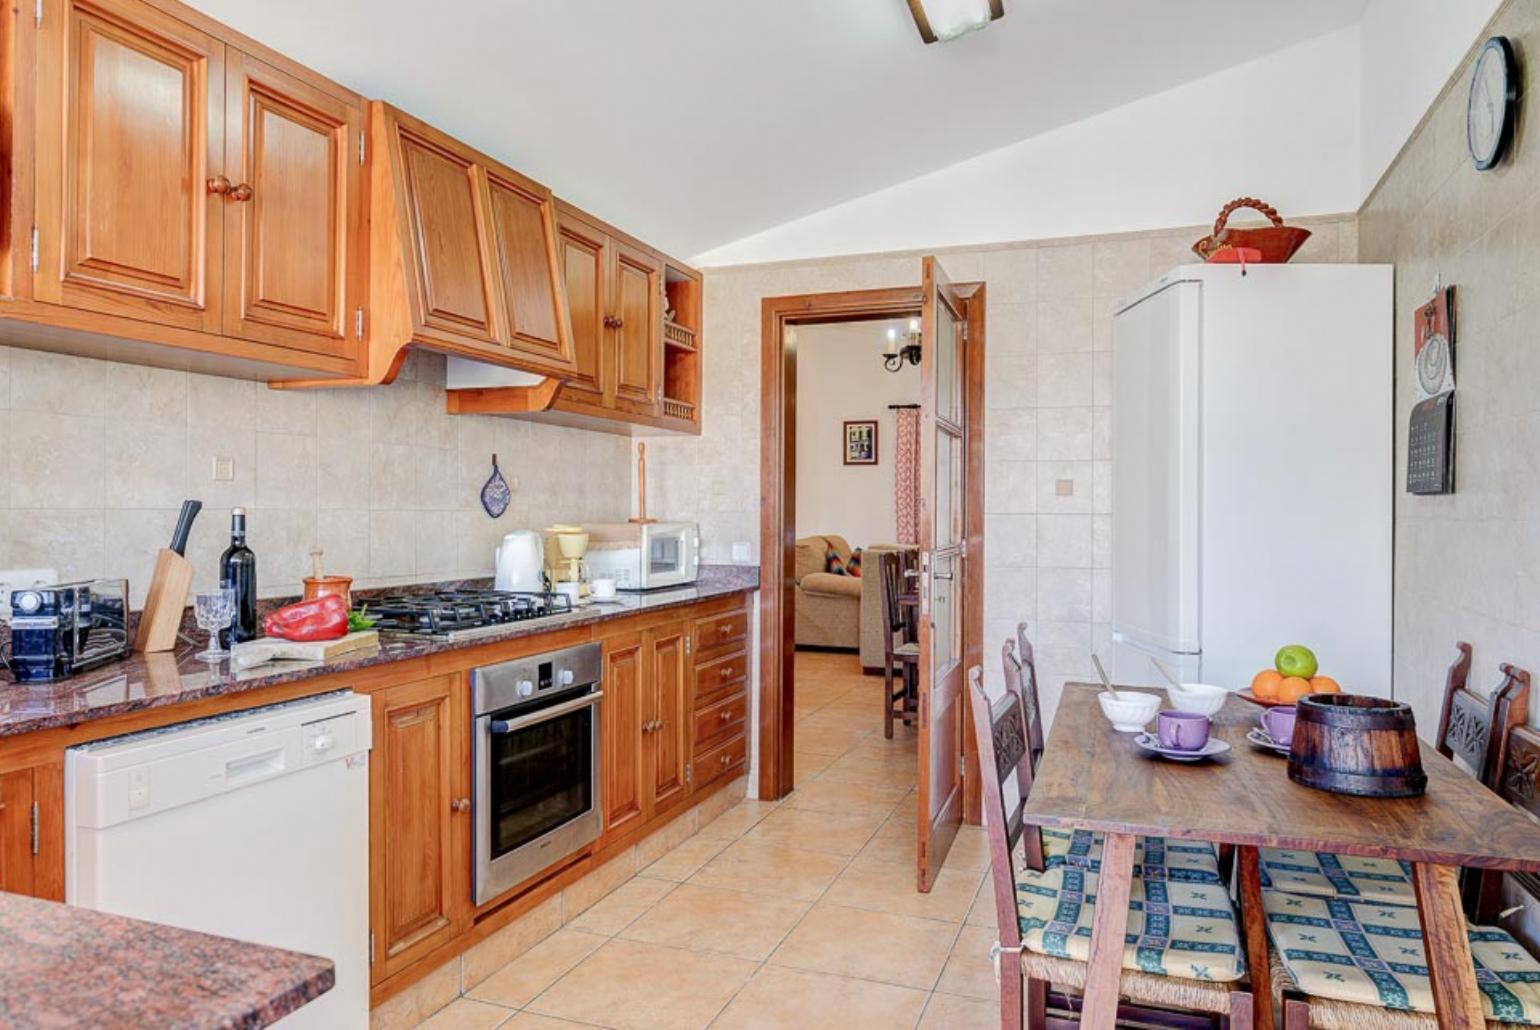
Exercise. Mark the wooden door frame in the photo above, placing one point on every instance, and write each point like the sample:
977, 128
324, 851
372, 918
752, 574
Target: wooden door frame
777, 510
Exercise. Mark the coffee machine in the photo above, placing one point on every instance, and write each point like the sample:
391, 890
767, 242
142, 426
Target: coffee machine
565, 546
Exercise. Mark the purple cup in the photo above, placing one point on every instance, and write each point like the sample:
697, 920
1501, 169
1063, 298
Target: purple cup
1278, 723
1182, 731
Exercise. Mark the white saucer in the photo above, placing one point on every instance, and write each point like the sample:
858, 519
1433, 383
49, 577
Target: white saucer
1258, 736
1151, 743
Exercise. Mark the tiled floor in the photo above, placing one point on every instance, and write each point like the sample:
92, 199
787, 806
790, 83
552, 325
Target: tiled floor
799, 914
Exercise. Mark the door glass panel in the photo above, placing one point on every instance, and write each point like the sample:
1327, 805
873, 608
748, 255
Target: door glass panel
946, 364
946, 625
946, 467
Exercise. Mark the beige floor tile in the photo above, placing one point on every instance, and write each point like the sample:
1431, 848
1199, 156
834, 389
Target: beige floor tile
517, 983
716, 919
969, 970
620, 908
882, 886
823, 740
835, 833
983, 912
843, 718
793, 999
895, 949
738, 820
835, 796
681, 863
895, 841
632, 984
951, 1012
465, 1014
894, 772
771, 869
535, 1021
806, 767
970, 849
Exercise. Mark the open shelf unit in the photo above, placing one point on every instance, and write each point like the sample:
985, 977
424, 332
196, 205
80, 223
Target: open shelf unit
681, 343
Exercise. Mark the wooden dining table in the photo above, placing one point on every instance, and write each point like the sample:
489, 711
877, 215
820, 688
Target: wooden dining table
1093, 777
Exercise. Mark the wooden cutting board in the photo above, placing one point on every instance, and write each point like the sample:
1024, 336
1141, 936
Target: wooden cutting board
251, 653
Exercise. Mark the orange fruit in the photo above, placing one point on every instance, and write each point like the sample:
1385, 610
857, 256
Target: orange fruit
1264, 685
1324, 685
1293, 688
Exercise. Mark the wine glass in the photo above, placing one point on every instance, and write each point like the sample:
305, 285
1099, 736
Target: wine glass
214, 610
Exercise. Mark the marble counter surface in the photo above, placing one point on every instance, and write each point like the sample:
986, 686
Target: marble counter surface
72, 967
174, 677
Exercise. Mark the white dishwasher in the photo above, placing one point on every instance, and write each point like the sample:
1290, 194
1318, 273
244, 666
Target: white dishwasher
252, 825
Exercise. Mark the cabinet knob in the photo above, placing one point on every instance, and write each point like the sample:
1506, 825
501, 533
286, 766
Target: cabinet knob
219, 185
241, 193
460, 805
726, 759
611, 322
725, 673
725, 716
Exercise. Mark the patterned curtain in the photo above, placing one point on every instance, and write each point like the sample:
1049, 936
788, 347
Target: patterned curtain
906, 477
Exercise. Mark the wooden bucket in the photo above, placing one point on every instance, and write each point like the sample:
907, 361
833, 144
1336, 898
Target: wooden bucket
1353, 744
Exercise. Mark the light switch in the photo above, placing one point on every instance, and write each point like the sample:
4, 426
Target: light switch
740, 551
1064, 487
224, 469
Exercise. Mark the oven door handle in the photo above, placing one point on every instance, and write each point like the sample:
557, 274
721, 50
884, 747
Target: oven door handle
498, 727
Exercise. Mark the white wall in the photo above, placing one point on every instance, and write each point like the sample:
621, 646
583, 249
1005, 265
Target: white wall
1284, 128
840, 378
1410, 48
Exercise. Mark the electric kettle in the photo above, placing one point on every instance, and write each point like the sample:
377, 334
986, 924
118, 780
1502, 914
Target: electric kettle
520, 561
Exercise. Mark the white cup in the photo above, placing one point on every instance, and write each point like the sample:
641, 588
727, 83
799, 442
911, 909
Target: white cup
602, 589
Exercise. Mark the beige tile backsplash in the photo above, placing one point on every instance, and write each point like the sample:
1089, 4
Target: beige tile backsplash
97, 458
1048, 387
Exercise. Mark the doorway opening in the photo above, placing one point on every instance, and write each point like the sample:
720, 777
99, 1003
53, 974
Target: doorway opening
948, 566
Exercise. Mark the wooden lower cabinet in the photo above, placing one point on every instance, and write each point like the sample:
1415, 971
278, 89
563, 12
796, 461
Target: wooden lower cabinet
18, 819
419, 837
644, 724
620, 732
666, 745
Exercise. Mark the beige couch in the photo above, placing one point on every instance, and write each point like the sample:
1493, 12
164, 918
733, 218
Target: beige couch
834, 611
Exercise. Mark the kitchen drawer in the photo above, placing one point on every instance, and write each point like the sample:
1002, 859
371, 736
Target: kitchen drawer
712, 678
720, 760
718, 631
721, 719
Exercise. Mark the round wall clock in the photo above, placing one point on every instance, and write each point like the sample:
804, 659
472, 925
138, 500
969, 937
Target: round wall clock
1433, 364
1493, 103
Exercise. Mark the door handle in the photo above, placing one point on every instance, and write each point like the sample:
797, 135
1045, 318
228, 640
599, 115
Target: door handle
460, 805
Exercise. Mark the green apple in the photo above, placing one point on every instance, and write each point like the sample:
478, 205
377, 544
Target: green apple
1296, 660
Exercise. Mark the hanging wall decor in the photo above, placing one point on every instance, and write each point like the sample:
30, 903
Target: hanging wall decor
1430, 439
495, 495
861, 443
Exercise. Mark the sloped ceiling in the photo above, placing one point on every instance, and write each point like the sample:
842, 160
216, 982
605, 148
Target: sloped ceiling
695, 122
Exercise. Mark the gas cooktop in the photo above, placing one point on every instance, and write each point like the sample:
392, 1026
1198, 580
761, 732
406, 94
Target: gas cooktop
462, 614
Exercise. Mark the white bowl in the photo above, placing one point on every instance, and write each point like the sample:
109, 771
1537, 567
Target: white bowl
1203, 698
1129, 711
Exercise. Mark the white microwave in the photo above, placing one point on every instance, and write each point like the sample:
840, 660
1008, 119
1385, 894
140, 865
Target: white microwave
643, 555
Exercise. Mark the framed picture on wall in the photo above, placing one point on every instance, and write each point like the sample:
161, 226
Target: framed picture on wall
861, 443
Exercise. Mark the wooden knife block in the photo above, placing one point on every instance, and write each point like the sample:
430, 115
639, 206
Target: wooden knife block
165, 603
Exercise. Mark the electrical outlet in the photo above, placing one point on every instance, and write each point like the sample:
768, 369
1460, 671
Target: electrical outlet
224, 469
740, 551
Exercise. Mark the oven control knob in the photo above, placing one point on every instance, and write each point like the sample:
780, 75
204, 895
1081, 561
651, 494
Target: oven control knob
566, 678
526, 688
28, 601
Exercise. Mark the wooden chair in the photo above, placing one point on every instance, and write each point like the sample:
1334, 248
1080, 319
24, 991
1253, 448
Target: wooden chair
901, 652
1025, 950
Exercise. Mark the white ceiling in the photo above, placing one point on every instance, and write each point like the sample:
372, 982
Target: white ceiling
692, 123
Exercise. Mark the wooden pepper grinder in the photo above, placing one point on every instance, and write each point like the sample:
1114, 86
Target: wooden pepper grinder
641, 486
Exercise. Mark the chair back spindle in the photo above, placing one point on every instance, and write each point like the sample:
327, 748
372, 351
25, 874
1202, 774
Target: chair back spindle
1476, 728
1000, 728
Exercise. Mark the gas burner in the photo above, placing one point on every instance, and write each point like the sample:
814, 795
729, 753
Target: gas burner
457, 614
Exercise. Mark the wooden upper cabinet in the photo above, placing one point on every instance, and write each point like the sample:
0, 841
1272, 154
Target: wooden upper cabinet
294, 249
638, 327
583, 253
130, 114
524, 230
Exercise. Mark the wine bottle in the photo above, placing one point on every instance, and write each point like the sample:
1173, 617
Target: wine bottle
238, 571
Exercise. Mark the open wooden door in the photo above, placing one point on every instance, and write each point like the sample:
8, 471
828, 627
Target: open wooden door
943, 570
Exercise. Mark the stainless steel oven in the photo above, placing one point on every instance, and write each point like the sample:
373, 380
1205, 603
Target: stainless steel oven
535, 755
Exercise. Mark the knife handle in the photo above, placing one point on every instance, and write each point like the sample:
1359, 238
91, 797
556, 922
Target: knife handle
184, 523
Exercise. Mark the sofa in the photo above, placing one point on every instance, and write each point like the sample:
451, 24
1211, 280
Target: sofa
835, 611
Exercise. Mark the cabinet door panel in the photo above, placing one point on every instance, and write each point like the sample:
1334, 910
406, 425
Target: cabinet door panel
288, 248
583, 255
17, 863
524, 231
667, 745
448, 249
130, 114
414, 773
639, 340
621, 732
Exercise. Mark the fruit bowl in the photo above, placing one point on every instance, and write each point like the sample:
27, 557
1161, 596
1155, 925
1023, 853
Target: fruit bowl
1129, 711
1247, 695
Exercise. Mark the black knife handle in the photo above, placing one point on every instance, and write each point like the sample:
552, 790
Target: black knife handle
184, 523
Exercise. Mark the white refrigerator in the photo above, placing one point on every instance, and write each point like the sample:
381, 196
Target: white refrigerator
1252, 473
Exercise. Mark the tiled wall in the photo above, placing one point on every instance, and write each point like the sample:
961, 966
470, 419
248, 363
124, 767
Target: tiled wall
97, 458
1468, 565
1048, 390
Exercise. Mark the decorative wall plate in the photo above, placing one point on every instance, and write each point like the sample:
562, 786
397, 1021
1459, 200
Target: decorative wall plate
495, 495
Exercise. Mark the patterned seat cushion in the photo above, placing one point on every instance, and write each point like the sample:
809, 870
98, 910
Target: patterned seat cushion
1371, 953
1324, 875
1174, 929
1155, 858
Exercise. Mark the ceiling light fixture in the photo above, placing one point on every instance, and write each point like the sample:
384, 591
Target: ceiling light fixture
941, 20
894, 355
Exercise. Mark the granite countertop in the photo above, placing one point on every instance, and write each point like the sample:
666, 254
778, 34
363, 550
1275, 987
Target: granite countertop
74, 967
154, 680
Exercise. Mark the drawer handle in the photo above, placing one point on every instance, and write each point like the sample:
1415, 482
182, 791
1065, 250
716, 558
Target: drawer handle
725, 672
725, 628
460, 805
725, 716
726, 759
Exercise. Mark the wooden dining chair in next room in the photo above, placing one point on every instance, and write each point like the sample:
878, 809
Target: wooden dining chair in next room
1182, 953
1353, 964
1472, 727
901, 654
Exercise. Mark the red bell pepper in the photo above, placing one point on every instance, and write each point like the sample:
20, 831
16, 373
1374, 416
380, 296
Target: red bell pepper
325, 618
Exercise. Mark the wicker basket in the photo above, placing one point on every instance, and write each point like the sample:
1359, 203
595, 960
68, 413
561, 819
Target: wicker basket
1276, 243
